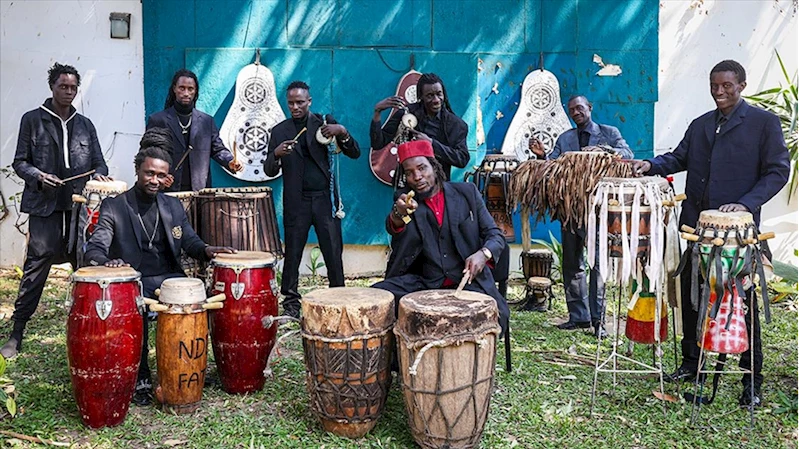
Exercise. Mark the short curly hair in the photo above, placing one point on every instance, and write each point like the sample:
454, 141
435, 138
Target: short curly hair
61, 69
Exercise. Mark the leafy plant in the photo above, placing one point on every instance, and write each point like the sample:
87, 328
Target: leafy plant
786, 404
557, 251
8, 393
783, 102
315, 264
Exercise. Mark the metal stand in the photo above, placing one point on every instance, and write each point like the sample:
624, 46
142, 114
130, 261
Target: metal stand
614, 357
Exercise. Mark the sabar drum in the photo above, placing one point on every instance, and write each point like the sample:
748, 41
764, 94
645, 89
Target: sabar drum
447, 352
104, 336
347, 343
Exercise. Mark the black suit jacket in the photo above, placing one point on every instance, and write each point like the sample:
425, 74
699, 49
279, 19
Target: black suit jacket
38, 150
293, 163
118, 232
748, 165
471, 227
203, 138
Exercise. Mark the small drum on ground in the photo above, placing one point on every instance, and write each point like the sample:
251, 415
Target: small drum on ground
447, 352
493, 181
240, 342
191, 267
181, 344
537, 263
104, 339
243, 218
347, 344
538, 291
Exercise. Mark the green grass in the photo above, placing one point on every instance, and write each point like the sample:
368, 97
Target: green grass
539, 404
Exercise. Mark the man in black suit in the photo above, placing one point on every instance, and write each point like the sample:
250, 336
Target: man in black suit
195, 137
54, 143
310, 193
147, 230
451, 234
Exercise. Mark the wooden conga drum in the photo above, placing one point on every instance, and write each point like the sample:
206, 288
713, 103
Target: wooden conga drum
104, 336
347, 344
447, 353
181, 345
537, 262
240, 342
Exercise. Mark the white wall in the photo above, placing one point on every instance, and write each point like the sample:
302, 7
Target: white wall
694, 36
37, 33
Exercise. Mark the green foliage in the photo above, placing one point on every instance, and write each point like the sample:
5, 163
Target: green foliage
783, 102
557, 250
315, 264
8, 393
786, 404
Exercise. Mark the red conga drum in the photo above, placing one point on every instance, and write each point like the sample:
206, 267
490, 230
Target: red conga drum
241, 343
104, 336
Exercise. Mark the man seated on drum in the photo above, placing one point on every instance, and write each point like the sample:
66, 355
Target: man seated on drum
147, 230
585, 301
736, 160
445, 235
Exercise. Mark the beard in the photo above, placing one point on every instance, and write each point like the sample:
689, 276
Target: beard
421, 196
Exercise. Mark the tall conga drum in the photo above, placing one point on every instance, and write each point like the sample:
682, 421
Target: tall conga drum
241, 343
181, 345
104, 336
447, 352
347, 343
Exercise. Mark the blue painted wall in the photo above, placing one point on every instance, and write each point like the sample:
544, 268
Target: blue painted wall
352, 53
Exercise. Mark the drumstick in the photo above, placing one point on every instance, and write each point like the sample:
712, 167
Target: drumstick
72, 178
300, 133
461, 285
183, 158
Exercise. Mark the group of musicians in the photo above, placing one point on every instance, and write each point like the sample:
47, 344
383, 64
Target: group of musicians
441, 232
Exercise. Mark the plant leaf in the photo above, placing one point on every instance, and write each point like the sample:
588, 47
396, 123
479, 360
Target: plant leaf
11, 406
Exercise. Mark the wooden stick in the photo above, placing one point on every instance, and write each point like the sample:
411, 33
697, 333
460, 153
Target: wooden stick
458, 290
183, 158
32, 439
72, 178
235, 153
300, 133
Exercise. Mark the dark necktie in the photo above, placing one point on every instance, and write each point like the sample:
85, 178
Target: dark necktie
584, 137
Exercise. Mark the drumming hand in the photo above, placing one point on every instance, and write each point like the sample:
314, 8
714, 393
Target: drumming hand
103, 178
285, 147
733, 207
235, 165
51, 181
474, 265
641, 168
212, 251
536, 147
116, 263
334, 130
168, 180
395, 102
418, 135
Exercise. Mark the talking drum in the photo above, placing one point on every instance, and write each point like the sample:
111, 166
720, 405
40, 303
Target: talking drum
536, 263
493, 181
239, 217
447, 351
104, 339
347, 343
181, 341
635, 214
190, 266
239, 339
725, 236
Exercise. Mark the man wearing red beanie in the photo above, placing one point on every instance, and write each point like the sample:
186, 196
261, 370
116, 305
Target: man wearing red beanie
450, 234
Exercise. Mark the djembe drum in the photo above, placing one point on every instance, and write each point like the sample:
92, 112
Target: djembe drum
536, 263
447, 352
88, 203
493, 181
347, 344
181, 343
239, 217
104, 339
191, 267
239, 339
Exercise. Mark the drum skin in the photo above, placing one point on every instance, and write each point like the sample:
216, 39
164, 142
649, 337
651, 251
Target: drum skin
181, 344
240, 342
103, 355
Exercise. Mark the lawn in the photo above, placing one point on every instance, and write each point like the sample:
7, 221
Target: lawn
543, 402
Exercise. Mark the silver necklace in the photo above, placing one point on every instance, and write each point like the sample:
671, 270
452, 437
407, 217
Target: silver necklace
155, 229
185, 129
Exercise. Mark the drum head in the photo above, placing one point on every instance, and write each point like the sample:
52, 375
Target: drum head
181, 195
246, 259
104, 187
346, 311
539, 282
95, 274
714, 218
538, 253
182, 291
435, 314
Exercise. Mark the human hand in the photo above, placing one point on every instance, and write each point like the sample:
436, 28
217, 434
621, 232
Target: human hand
212, 251
733, 207
102, 178
235, 165
418, 135
333, 130
536, 147
405, 204
640, 167
395, 102
51, 181
116, 263
285, 147
474, 265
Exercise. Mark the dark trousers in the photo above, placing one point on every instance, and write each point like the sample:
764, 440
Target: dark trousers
313, 209
48, 243
149, 284
585, 300
690, 317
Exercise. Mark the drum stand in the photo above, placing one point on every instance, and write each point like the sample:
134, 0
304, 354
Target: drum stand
614, 357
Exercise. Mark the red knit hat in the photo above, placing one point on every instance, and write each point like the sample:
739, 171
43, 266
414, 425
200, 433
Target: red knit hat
415, 148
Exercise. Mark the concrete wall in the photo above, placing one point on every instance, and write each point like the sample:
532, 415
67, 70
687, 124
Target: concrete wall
694, 36
37, 33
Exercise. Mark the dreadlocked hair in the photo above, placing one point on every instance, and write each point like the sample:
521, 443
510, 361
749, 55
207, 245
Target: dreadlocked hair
170, 96
61, 69
431, 78
728, 65
399, 175
156, 143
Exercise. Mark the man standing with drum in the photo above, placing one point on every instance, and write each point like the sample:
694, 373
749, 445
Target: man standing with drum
736, 160
54, 147
310, 192
195, 137
449, 237
147, 230
585, 300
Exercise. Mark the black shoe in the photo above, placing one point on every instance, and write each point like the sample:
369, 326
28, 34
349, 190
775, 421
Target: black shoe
11, 348
682, 373
534, 305
748, 399
143, 395
292, 311
572, 325
599, 331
